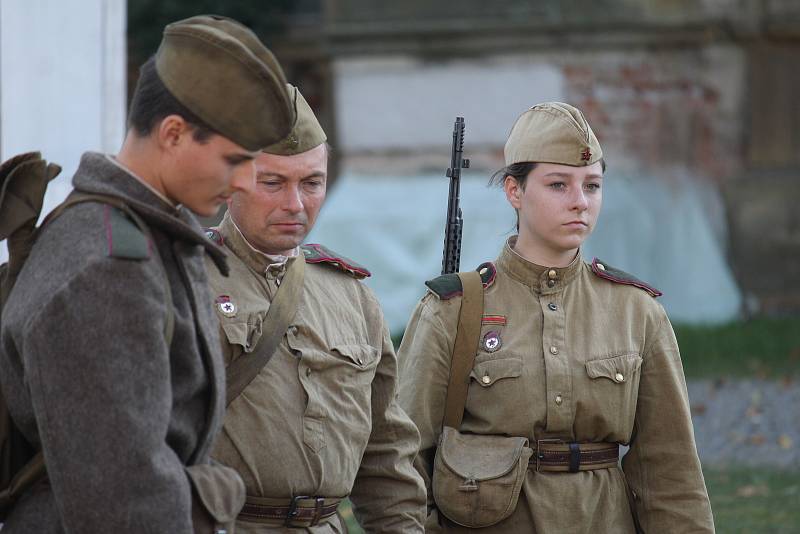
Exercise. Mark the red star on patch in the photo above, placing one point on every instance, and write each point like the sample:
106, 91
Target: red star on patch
586, 155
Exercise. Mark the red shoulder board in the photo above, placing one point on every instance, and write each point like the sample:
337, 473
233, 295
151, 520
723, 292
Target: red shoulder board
604, 270
448, 286
319, 254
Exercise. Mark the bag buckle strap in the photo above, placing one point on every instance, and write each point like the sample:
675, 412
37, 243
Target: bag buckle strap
574, 457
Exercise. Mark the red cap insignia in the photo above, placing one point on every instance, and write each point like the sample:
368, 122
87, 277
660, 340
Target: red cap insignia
586, 155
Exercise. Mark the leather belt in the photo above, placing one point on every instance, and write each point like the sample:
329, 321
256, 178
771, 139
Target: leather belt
558, 456
298, 512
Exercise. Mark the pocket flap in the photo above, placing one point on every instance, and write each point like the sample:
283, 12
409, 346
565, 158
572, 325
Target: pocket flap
243, 334
219, 488
488, 372
618, 369
479, 457
360, 354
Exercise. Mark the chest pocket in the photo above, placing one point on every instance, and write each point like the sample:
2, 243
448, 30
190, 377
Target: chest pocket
487, 373
614, 389
361, 359
242, 336
494, 383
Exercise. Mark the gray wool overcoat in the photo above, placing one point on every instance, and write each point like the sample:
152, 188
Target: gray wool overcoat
88, 374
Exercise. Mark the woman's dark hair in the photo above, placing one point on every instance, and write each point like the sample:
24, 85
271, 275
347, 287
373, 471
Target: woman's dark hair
518, 171
152, 101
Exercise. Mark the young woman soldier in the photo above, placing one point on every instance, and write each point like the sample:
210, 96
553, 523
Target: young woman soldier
573, 359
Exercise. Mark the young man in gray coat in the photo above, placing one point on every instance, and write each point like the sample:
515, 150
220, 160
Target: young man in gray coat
109, 355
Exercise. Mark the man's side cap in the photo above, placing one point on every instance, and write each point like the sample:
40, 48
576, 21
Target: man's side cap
552, 132
306, 133
222, 73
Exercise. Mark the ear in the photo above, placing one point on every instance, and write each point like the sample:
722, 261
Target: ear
172, 131
513, 191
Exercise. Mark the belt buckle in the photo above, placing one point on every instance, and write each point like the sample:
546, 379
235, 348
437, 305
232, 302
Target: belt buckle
293, 512
540, 441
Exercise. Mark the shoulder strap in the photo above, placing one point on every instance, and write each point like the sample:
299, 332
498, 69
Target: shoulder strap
464, 347
281, 312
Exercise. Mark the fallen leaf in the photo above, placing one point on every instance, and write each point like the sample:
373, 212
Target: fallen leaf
757, 439
785, 441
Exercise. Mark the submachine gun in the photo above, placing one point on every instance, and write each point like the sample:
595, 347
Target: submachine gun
454, 224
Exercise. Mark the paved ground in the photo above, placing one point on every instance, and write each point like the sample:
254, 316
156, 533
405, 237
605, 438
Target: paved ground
747, 422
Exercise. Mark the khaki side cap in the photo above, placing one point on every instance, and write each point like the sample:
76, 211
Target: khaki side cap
307, 132
231, 83
552, 132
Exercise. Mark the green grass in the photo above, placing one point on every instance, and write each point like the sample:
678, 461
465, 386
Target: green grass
754, 501
759, 348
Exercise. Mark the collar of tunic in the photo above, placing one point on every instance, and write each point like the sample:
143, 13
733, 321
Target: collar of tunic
99, 174
541, 279
272, 266
141, 180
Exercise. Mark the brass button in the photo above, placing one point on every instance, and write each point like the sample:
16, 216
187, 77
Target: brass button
553, 350
484, 270
551, 283
552, 274
619, 377
601, 266
486, 379
308, 371
552, 306
559, 400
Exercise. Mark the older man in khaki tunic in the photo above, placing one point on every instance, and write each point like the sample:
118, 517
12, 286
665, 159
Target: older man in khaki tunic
571, 360
319, 422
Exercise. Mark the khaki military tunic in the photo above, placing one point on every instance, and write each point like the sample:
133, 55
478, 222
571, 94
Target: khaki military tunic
579, 358
321, 419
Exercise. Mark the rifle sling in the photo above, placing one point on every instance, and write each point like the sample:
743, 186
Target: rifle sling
464, 348
281, 312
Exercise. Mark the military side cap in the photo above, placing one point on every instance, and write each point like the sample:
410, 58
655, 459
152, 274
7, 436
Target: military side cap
306, 133
222, 73
552, 132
